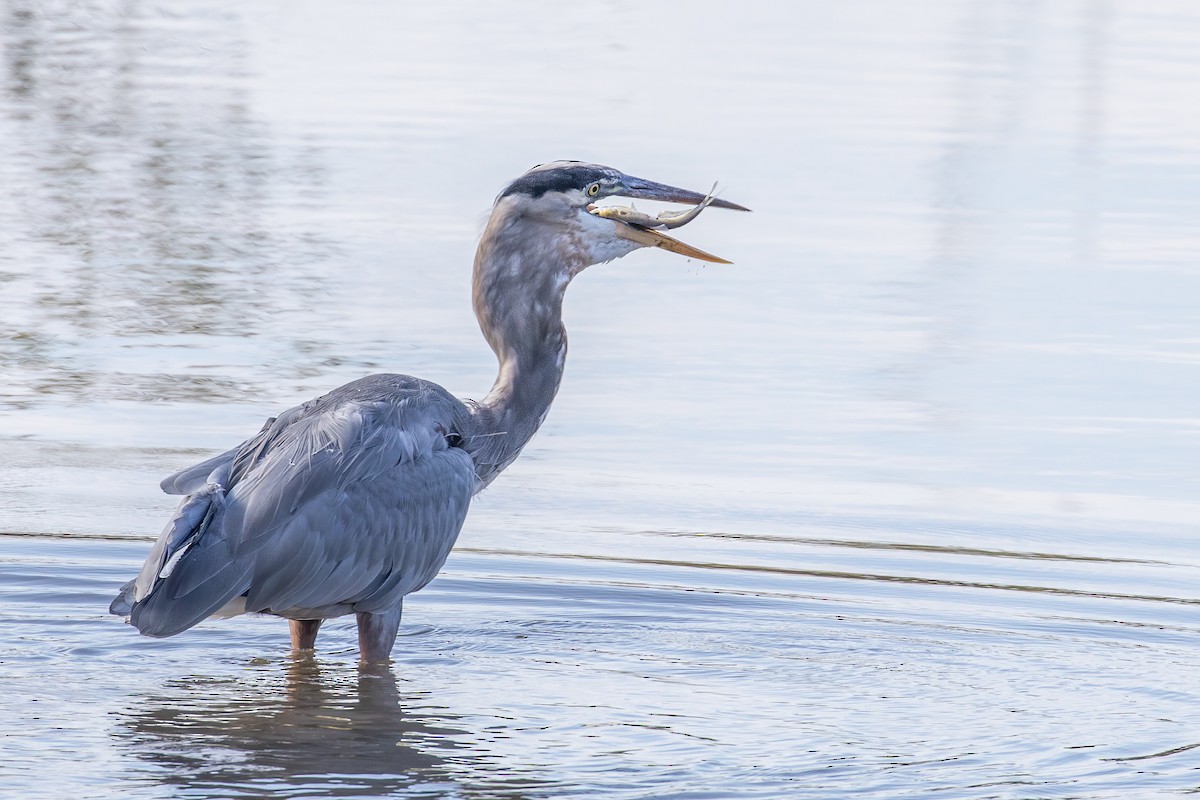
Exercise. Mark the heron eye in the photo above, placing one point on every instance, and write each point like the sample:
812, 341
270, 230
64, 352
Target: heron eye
594, 190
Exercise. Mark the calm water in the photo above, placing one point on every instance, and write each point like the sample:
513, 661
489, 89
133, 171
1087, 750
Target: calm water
902, 504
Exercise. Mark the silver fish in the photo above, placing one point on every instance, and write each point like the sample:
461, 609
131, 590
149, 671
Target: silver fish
665, 220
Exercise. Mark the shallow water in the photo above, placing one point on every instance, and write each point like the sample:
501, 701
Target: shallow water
903, 503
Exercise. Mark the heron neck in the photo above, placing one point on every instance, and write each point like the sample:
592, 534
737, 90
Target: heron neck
520, 314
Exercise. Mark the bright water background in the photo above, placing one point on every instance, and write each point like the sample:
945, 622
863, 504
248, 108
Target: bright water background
902, 504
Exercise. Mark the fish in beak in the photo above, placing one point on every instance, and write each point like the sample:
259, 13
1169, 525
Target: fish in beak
647, 230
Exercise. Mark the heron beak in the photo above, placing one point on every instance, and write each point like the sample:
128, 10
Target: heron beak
648, 237
641, 189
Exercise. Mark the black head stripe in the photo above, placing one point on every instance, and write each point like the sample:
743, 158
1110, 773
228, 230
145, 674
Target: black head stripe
572, 175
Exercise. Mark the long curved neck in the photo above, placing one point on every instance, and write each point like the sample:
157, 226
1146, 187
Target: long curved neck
517, 293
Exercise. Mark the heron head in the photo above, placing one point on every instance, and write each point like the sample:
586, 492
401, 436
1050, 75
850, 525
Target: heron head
563, 194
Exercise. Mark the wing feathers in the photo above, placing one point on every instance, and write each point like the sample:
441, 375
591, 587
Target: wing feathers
195, 478
353, 499
394, 531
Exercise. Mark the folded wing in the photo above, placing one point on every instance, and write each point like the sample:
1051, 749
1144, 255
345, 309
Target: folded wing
343, 504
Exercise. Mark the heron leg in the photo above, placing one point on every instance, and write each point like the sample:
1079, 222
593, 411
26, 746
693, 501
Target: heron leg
304, 633
377, 634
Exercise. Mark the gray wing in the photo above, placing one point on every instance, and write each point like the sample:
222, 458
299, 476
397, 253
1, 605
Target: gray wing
197, 477
354, 499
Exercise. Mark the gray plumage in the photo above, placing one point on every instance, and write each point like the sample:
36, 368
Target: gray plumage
351, 501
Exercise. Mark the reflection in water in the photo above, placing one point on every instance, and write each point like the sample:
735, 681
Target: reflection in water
313, 730
141, 192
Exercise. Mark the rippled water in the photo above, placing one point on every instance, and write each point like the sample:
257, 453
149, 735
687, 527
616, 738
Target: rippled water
903, 503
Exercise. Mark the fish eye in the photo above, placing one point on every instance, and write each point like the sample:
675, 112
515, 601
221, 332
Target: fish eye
593, 190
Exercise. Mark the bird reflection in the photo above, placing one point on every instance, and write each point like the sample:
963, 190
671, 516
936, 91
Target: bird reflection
329, 731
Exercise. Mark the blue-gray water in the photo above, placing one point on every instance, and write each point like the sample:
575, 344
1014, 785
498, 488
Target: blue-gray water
901, 504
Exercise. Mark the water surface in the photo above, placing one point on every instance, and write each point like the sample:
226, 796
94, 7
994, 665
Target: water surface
902, 503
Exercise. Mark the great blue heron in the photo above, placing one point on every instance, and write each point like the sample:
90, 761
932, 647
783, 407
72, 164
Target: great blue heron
348, 502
